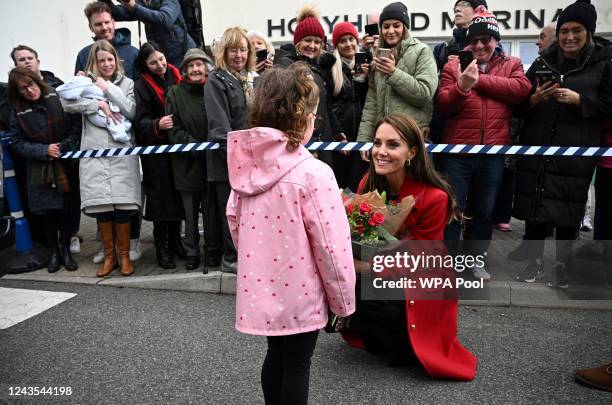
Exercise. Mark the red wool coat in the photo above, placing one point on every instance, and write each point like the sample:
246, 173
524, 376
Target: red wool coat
482, 115
432, 324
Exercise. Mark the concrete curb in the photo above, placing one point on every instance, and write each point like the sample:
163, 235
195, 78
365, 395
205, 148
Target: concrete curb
495, 293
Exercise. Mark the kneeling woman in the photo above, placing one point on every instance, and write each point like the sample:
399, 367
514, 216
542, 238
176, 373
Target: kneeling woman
426, 329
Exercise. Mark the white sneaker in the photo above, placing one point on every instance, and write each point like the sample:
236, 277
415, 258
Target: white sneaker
99, 256
480, 272
586, 225
75, 245
135, 253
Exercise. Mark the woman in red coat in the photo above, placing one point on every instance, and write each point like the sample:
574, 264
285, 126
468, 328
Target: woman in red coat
409, 330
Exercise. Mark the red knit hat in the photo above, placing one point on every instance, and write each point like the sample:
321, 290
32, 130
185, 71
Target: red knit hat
308, 25
342, 29
483, 23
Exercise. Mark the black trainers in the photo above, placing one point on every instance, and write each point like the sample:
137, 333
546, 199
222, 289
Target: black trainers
559, 277
533, 272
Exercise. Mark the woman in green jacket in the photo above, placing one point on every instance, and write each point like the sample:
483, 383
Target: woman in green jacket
405, 81
186, 102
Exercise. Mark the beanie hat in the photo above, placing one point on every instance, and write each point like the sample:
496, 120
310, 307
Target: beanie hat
395, 11
473, 3
583, 12
483, 23
308, 25
191, 55
342, 29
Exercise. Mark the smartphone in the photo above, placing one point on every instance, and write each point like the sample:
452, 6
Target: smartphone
371, 29
545, 76
261, 55
383, 52
361, 58
453, 49
465, 58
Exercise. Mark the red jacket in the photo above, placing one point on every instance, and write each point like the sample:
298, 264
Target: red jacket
482, 115
432, 324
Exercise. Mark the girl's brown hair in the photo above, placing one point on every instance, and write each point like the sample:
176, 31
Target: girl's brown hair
231, 39
420, 168
92, 60
20, 73
283, 99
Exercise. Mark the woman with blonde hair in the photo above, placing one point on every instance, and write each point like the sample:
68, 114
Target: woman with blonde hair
260, 43
110, 187
226, 95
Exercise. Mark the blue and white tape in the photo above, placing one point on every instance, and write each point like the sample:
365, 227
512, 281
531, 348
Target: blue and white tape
358, 146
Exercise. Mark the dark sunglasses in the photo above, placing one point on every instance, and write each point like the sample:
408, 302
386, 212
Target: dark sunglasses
485, 40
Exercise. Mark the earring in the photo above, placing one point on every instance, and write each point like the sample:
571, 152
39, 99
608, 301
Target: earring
408, 162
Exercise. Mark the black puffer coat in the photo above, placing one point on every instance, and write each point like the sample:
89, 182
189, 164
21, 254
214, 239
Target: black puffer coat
162, 200
554, 189
348, 104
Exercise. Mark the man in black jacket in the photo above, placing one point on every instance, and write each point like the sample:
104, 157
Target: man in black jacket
26, 57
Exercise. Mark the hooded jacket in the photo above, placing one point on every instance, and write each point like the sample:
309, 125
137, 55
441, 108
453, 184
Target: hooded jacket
289, 226
482, 115
122, 44
409, 90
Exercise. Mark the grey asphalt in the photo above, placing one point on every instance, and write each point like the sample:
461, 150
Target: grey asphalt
136, 346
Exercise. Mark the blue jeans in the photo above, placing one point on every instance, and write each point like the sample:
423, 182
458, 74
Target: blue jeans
476, 181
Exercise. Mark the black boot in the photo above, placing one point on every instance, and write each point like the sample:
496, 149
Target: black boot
55, 262
176, 242
69, 263
165, 258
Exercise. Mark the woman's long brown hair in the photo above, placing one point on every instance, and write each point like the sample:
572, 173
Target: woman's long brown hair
420, 169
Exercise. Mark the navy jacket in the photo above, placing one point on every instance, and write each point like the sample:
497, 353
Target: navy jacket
126, 52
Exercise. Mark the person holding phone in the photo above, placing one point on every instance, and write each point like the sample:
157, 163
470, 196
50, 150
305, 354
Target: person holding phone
571, 96
476, 103
404, 75
349, 75
264, 51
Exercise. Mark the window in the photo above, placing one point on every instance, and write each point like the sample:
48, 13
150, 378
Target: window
528, 52
507, 47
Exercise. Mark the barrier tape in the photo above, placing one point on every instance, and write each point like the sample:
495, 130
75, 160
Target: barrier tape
358, 146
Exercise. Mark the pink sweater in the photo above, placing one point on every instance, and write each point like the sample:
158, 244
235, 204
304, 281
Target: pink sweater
292, 235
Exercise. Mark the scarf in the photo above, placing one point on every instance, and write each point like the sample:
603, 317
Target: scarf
246, 81
349, 62
160, 89
46, 173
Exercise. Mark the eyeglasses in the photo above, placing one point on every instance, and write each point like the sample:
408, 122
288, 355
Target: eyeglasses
463, 4
484, 40
30, 86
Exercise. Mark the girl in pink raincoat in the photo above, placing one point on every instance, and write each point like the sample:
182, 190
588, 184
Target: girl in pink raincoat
288, 224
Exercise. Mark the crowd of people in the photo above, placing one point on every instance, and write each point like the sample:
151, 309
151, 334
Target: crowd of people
261, 105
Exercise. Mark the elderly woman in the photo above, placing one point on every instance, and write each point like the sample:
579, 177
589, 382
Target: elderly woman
566, 110
307, 46
41, 133
349, 92
110, 187
163, 203
403, 82
185, 102
477, 106
261, 43
226, 96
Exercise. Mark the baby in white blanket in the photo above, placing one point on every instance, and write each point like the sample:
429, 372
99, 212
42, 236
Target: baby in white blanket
82, 87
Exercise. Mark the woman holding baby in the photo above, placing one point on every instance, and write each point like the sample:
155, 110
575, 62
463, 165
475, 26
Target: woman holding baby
110, 187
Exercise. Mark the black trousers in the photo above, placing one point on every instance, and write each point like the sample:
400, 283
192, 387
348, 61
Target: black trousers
564, 240
57, 228
217, 233
285, 374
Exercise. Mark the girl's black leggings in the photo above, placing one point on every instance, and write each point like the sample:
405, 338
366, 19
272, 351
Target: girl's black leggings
285, 374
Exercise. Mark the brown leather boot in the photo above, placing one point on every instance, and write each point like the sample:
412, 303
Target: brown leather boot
598, 377
123, 243
108, 240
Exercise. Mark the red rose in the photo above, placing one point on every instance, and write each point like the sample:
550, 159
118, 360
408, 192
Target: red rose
364, 208
360, 229
350, 208
377, 219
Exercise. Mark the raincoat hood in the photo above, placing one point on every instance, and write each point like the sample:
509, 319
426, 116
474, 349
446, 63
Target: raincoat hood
258, 158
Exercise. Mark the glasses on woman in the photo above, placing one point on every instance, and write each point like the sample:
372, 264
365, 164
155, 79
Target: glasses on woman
30, 86
484, 40
463, 4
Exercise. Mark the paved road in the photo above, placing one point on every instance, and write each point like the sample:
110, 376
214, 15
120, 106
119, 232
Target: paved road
114, 345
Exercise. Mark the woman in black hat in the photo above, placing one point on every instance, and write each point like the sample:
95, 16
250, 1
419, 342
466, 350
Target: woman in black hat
565, 108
